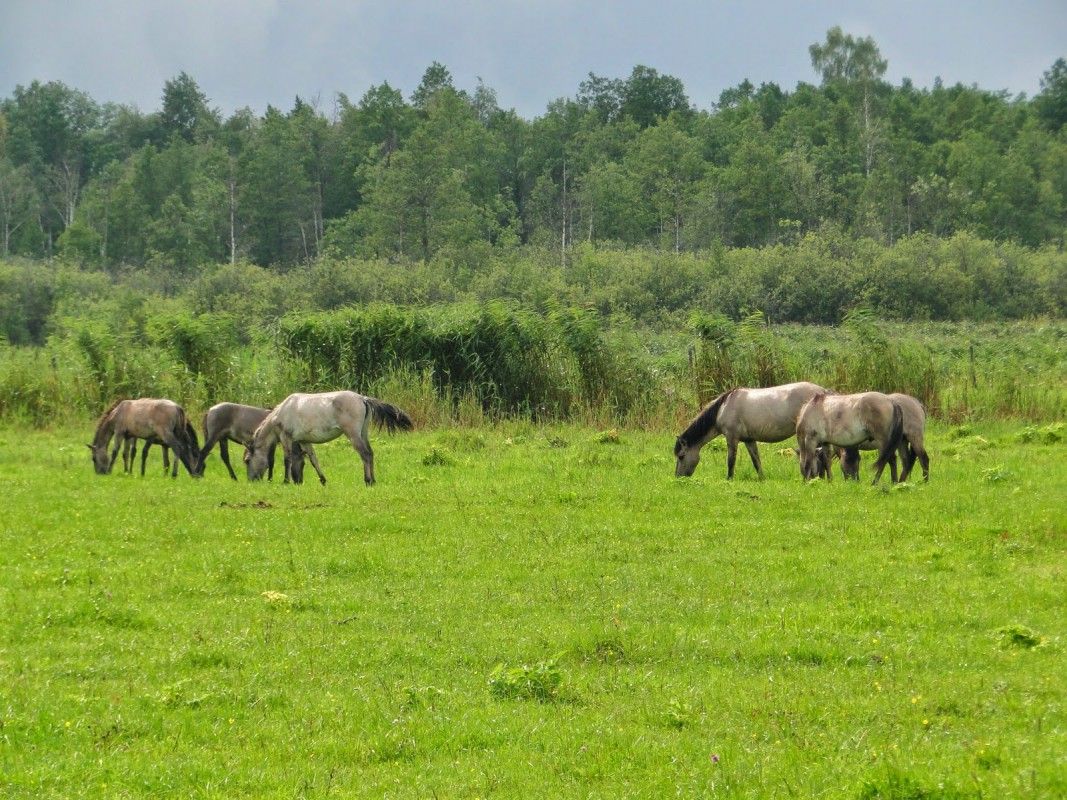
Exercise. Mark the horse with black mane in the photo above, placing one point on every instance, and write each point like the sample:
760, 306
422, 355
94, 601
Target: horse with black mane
743, 415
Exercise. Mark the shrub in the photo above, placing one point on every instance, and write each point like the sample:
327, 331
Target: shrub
542, 681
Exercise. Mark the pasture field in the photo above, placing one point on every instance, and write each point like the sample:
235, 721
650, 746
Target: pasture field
518, 611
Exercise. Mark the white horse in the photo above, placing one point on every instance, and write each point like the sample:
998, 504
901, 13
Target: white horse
743, 415
315, 418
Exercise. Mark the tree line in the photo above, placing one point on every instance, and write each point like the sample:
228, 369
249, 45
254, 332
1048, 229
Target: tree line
448, 175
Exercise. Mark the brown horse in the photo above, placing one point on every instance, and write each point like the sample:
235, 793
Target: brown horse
315, 418
910, 449
145, 418
234, 422
847, 420
743, 415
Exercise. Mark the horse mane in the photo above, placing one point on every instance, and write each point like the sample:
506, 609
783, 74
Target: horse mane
703, 422
110, 408
103, 418
272, 415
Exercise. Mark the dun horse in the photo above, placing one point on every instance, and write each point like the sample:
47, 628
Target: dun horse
909, 450
315, 418
145, 418
848, 420
233, 422
743, 415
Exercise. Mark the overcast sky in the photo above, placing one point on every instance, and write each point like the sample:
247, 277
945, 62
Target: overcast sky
259, 52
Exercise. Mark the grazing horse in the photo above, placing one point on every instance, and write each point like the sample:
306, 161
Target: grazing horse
129, 453
848, 420
233, 422
743, 415
910, 450
147, 418
315, 418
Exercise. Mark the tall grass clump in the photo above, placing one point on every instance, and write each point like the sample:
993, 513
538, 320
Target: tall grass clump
511, 360
871, 359
745, 353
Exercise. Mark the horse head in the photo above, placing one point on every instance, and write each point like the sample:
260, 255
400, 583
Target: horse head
256, 459
686, 458
101, 462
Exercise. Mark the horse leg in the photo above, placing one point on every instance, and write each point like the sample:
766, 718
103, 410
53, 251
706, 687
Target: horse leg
366, 454
119, 441
883, 459
296, 462
181, 452
144, 457
753, 453
211, 439
314, 459
174, 469
129, 454
224, 454
731, 457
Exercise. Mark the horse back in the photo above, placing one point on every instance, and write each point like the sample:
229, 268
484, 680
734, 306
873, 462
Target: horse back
234, 420
769, 413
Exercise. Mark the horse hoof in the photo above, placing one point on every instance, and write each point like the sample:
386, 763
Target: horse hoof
322, 481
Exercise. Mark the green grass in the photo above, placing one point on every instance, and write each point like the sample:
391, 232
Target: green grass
534, 613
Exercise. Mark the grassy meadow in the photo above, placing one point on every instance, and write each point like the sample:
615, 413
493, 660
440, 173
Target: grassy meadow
523, 611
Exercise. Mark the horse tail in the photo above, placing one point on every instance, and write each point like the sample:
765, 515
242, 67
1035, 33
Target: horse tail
896, 434
388, 415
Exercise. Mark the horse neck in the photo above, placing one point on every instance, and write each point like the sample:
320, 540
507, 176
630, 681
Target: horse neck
706, 426
267, 433
104, 430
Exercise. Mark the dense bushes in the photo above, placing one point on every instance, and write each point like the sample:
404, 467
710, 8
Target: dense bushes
600, 337
815, 281
512, 360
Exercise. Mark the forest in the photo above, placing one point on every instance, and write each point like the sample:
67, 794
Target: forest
447, 175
